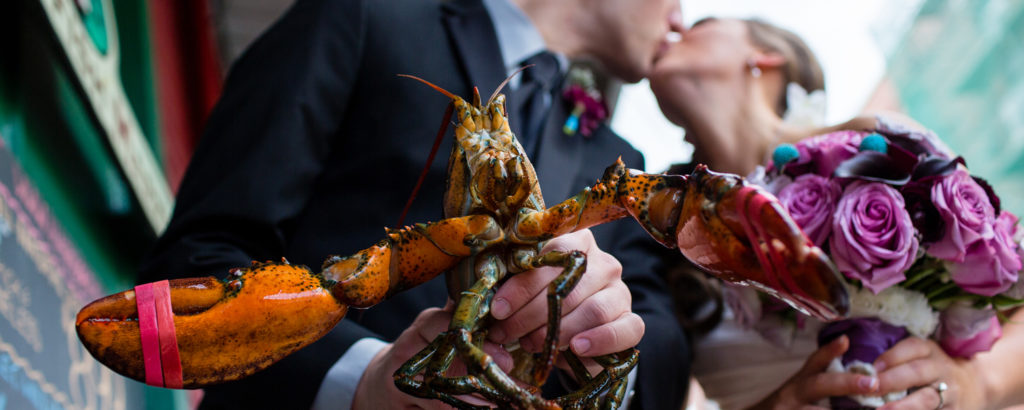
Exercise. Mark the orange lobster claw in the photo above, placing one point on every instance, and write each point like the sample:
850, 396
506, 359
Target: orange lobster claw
282, 297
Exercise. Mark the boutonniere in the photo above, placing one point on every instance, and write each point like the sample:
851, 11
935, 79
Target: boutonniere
585, 101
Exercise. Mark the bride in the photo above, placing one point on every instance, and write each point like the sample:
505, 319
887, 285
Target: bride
739, 88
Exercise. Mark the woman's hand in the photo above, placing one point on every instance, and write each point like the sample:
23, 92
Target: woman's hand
812, 384
915, 362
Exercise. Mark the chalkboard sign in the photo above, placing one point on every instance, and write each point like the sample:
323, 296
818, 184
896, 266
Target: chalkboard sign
43, 283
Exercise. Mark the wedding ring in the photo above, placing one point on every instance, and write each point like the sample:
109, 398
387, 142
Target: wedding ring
941, 388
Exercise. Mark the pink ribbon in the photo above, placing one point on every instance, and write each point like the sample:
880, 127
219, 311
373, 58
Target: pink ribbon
156, 330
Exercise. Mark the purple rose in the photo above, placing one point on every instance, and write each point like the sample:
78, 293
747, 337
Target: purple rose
967, 213
828, 150
811, 201
966, 331
991, 265
872, 235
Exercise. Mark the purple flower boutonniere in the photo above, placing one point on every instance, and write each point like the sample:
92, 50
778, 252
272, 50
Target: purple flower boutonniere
585, 101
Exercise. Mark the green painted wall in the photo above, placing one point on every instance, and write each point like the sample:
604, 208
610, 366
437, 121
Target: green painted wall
960, 71
51, 129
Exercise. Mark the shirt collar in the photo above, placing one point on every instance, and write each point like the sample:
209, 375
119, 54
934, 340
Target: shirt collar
518, 38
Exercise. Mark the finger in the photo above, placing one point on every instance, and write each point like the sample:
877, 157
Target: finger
534, 315
501, 357
520, 289
430, 323
823, 385
818, 361
615, 336
923, 399
603, 307
909, 349
920, 372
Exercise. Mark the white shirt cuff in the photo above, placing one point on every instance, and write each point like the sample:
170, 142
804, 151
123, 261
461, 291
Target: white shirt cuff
339, 386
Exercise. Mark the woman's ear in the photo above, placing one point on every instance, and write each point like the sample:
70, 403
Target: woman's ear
766, 60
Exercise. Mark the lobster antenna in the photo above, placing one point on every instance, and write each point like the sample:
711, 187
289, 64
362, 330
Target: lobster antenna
430, 160
439, 89
504, 83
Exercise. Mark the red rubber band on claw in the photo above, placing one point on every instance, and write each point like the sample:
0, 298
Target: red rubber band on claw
170, 359
149, 335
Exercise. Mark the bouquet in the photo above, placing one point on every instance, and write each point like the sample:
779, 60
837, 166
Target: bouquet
925, 248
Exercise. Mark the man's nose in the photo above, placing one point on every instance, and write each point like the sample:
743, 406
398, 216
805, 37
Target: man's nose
675, 21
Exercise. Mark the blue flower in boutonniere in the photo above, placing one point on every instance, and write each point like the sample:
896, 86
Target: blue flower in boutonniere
586, 102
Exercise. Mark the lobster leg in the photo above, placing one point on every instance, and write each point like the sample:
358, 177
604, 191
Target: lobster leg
269, 310
611, 380
405, 379
465, 338
473, 306
574, 264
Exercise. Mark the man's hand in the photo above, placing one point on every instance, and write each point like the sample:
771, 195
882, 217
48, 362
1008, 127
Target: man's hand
597, 316
377, 388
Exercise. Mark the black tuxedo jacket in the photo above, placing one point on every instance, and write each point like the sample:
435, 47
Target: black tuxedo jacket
315, 146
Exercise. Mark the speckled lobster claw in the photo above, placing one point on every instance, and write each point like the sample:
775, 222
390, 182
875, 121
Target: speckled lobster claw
742, 234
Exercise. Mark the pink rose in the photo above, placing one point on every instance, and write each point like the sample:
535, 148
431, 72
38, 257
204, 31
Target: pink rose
990, 265
828, 150
967, 213
811, 201
872, 235
966, 331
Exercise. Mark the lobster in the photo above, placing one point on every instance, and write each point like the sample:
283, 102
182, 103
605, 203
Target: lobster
173, 334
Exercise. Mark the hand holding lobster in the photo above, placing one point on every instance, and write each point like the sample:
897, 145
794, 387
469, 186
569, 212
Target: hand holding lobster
597, 310
377, 390
597, 317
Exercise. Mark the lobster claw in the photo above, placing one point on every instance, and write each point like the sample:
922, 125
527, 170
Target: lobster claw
742, 234
219, 330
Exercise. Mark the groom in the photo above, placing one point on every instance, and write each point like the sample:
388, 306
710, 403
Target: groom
316, 143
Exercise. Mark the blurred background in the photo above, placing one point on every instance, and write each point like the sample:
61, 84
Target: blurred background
101, 103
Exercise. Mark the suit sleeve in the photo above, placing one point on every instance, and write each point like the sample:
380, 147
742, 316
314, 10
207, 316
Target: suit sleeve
252, 173
665, 352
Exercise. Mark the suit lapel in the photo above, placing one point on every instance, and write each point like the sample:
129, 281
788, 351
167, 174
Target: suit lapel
476, 44
560, 158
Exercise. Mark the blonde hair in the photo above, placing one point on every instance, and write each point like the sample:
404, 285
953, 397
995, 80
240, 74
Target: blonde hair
801, 65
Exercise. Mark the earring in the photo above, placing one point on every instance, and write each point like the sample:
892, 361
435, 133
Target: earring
755, 71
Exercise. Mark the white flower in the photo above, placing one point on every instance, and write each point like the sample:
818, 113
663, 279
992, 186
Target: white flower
896, 306
804, 110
